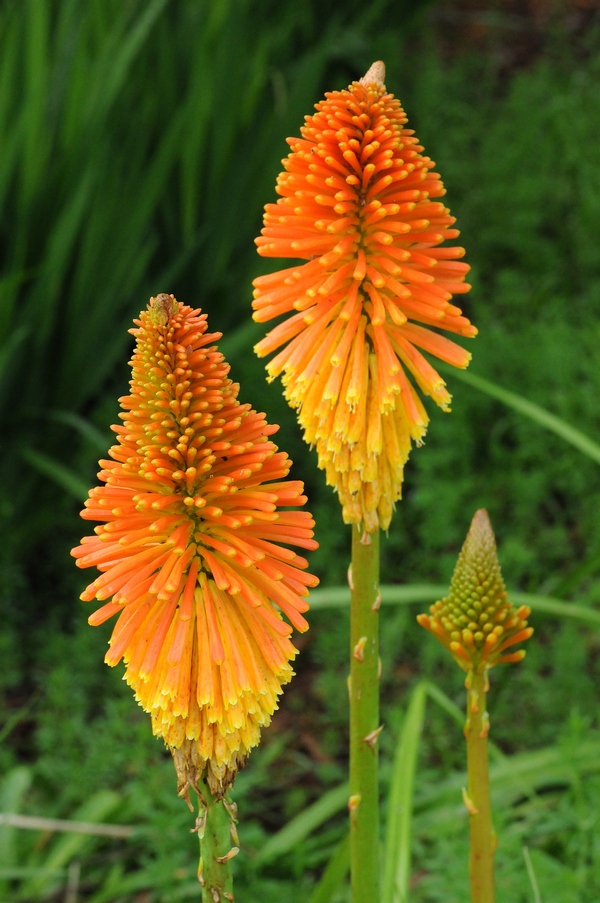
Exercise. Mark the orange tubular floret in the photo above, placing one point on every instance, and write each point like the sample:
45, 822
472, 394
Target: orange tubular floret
190, 548
357, 202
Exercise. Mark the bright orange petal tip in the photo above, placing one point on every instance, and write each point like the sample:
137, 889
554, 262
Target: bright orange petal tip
193, 549
476, 622
358, 204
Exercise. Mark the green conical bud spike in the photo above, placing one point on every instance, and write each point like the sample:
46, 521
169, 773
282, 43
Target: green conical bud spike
476, 621
477, 592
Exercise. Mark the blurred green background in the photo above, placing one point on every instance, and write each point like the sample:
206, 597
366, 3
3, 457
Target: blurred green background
139, 141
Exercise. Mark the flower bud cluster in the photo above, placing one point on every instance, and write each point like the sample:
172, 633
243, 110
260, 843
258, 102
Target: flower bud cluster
476, 621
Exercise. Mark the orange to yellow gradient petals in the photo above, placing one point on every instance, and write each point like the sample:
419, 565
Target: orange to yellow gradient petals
193, 549
357, 203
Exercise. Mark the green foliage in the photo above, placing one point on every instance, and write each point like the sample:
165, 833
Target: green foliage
398, 841
510, 156
139, 143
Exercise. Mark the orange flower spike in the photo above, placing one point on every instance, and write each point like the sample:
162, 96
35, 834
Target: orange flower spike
476, 622
357, 203
192, 548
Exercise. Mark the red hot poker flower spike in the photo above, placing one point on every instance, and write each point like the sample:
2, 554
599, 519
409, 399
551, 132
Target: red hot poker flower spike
193, 549
476, 622
358, 203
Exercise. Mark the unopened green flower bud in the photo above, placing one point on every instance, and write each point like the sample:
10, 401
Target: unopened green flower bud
476, 621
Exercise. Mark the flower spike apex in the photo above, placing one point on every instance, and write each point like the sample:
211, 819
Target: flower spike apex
375, 74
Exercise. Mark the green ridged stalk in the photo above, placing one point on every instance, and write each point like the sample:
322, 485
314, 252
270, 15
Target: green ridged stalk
216, 826
364, 717
477, 797
478, 624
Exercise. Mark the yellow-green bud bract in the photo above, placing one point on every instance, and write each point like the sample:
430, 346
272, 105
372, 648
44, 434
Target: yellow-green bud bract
476, 621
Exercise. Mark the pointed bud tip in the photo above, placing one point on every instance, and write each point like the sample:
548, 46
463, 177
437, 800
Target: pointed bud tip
162, 307
480, 539
481, 524
375, 74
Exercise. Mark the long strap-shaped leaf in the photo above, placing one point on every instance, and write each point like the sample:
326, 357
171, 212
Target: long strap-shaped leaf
337, 869
304, 824
511, 776
396, 863
339, 597
533, 411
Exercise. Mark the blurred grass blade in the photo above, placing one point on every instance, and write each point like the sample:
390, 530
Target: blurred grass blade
239, 341
95, 809
549, 606
36, 61
60, 474
61, 243
120, 886
538, 769
445, 703
304, 824
397, 855
94, 436
550, 421
120, 64
457, 715
339, 597
64, 825
531, 875
337, 869
12, 722
10, 346
14, 787
9, 874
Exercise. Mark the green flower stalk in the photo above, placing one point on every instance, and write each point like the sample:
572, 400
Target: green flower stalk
363, 690
478, 624
217, 831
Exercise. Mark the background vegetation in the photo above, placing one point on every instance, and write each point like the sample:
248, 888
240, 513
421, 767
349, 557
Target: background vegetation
139, 141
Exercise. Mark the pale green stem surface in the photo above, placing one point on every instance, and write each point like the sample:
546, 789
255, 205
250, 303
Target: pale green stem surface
364, 717
483, 838
217, 837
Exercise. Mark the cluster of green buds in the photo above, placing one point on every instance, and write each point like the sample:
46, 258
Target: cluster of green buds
476, 621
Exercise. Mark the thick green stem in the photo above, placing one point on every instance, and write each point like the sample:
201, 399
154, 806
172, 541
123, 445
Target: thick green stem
364, 716
477, 797
218, 845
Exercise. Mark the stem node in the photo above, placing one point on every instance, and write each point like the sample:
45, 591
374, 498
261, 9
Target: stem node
359, 649
354, 802
223, 859
469, 804
371, 739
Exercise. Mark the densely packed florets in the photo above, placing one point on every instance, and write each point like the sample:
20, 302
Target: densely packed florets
358, 203
193, 549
